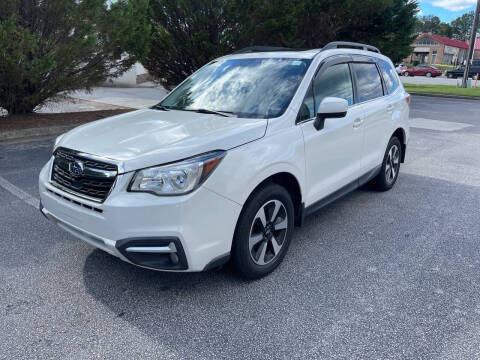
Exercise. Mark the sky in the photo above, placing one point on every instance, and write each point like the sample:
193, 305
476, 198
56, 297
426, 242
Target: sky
446, 10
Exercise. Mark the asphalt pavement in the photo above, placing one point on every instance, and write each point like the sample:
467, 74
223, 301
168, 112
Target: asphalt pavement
390, 275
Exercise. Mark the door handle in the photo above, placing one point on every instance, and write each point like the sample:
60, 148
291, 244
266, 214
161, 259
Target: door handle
357, 123
390, 108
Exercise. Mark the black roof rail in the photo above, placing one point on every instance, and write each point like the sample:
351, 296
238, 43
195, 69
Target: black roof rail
252, 49
350, 45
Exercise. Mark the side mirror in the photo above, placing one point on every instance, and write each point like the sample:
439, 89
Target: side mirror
330, 107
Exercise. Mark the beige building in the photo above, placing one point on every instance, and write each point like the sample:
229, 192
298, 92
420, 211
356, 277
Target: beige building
434, 49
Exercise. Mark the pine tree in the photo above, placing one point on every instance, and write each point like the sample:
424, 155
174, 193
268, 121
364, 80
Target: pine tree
186, 34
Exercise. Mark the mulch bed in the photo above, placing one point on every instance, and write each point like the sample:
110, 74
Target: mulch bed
35, 120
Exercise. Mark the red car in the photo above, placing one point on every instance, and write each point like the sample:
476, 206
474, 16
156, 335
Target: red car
423, 70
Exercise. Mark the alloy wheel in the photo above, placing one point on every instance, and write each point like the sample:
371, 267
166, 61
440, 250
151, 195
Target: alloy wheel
268, 232
393, 164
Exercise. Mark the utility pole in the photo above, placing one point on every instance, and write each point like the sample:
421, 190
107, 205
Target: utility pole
471, 48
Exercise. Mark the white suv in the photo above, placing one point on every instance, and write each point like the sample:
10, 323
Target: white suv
232, 159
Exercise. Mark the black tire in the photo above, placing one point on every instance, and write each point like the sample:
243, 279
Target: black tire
406, 73
428, 74
450, 76
384, 182
242, 255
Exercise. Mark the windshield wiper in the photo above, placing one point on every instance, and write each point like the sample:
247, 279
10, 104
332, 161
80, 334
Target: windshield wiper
160, 107
206, 111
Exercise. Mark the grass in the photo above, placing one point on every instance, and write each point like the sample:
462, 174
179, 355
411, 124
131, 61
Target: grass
442, 90
445, 67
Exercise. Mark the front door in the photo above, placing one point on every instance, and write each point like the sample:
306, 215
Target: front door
333, 154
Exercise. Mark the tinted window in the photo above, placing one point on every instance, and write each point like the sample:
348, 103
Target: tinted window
248, 87
389, 76
307, 110
334, 81
368, 81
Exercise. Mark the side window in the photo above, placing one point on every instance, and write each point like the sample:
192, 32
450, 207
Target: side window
369, 84
307, 109
389, 77
334, 81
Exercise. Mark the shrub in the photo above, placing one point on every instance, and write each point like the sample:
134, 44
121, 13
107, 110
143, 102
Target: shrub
50, 46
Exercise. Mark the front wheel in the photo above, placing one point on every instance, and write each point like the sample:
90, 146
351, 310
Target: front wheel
390, 166
406, 73
429, 75
263, 232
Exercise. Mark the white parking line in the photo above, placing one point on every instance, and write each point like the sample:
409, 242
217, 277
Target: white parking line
438, 125
19, 193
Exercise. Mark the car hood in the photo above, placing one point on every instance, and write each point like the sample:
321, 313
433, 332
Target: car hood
150, 137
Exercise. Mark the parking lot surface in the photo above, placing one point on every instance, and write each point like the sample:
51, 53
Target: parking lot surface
392, 275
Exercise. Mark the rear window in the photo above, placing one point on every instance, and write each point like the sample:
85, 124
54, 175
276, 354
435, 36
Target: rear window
369, 83
389, 77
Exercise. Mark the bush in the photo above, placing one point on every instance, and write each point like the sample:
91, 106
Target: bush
52, 46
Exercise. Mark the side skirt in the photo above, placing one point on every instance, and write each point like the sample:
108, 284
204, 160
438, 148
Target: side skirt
339, 193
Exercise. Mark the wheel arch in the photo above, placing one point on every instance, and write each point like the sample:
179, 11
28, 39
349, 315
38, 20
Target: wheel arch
400, 134
291, 183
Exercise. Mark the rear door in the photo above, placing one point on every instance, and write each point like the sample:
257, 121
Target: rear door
377, 108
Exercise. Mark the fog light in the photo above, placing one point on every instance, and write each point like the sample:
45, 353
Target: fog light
174, 258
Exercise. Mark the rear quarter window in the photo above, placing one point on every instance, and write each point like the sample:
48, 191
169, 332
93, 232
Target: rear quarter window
389, 77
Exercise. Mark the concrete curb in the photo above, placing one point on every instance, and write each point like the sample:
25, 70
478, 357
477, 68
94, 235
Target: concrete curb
35, 132
446, 96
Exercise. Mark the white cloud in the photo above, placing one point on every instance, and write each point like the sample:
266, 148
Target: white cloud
454, 5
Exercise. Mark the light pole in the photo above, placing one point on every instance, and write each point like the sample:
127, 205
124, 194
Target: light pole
471, 48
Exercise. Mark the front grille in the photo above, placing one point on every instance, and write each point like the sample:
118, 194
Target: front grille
81, 175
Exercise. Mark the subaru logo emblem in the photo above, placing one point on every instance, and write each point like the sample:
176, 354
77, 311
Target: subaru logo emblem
76, 168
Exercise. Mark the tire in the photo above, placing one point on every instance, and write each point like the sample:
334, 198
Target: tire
260, 244
384, 180
428, 74
450, 76
406, 73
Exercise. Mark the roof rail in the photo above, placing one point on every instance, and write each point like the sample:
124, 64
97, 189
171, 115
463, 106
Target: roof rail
252, 49
350, 45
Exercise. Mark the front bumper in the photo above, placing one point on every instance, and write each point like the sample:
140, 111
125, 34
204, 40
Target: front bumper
186, 232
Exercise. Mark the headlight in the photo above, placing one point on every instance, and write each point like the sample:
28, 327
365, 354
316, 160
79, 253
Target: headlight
177, 178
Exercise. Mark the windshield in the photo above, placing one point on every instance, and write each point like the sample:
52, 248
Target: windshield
250, 88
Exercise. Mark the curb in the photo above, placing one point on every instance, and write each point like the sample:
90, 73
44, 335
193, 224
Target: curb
446, 96
35, 132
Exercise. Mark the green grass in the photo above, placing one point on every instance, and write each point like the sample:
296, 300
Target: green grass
444, 67
442, 90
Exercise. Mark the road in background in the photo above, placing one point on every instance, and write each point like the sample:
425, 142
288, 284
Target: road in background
390, 275
136, 98
430, 81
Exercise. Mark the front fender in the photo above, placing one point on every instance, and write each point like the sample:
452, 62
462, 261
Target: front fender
245, 167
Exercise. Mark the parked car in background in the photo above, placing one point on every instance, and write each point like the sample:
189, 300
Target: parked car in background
232, 159
400, 69
458, 72
423, 70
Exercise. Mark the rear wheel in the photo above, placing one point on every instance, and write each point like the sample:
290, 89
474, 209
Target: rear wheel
428, 74
263, 232
390, 166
